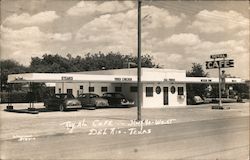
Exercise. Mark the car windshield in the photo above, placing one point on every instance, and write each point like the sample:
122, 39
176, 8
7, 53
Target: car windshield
107, 95
119, 95
58, 96
116, 95
93, 96
63, 96
70, 96
82, 96
89, 95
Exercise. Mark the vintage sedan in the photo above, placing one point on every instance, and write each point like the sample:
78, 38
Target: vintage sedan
118, 100
195, 100
92, 101
62, 102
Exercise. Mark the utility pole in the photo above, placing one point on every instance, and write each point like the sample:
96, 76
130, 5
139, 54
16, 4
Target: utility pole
139, 88
1, 82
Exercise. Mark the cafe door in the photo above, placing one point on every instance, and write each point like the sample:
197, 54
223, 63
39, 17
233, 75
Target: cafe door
165, 95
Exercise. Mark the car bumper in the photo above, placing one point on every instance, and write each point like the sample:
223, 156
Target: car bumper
102, 104
76, 106
128, 103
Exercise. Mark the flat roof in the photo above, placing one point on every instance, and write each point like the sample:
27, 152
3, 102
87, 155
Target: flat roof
149, 75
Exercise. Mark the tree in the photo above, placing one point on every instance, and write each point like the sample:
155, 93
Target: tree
90, 62
10, 67
196, 71
56, 63
51, 64
196, 89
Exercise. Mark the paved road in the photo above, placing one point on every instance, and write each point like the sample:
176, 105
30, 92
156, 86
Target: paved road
226, 138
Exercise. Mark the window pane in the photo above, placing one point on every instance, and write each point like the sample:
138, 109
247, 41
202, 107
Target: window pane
118, 89
69, 91
133, 89
149, 91
91, 89
104, 89
180, 91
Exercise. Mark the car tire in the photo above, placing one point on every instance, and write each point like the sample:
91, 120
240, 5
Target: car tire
93, 107
61, 108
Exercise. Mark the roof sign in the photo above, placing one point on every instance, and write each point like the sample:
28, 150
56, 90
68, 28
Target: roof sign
123, 79
206, 80
66, 78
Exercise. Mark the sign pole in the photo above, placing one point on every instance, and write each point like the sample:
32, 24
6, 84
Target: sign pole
224, 63
139, 64
220, 103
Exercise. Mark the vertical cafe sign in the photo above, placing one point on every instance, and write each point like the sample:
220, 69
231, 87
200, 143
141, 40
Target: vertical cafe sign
219, 61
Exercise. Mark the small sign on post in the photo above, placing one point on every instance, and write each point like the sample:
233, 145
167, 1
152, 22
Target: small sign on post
218, 56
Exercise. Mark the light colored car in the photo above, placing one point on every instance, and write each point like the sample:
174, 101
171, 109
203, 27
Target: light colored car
62, 102
92, 101
198, 100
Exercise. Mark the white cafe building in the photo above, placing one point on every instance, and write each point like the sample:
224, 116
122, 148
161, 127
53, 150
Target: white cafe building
160, 87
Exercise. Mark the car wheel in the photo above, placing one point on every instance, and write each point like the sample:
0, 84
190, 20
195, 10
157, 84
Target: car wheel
92, 107
61, 108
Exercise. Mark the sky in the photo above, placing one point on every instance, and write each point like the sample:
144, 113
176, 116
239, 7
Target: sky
175, 33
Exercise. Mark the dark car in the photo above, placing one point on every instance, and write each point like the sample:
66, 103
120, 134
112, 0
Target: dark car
61, 101
118, 100
92, 101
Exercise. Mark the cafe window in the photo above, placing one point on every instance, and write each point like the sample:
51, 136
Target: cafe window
133, 89
172, 89
69, 91
158, 89
149, 91
81, 87
180, 91
118, 89
104, 89
91, 89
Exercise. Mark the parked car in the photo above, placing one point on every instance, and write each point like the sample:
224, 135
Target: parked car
195, 100
61, 101
118, 100
92, 101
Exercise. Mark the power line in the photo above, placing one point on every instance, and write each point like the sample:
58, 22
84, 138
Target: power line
191, 10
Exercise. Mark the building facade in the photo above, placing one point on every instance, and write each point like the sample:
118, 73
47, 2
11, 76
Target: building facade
160, 87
